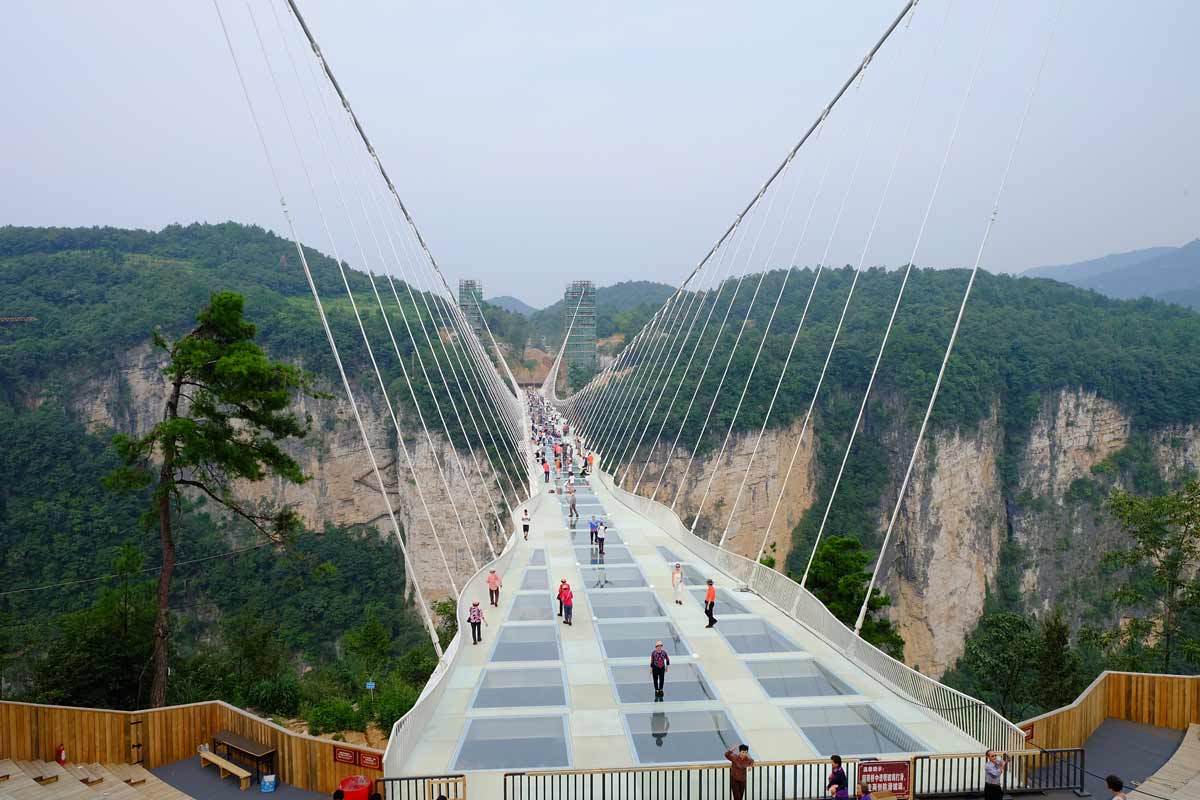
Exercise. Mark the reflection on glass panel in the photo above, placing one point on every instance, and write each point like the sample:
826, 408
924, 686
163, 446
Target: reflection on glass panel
662, 737
619, 577
501, 688
513, 743
538, 559
726, 604
535, 579
693, 576
684, 682
755, 636
636, 639
613, 554
853, 730
618, 604
526, 643
796, 678
531, 608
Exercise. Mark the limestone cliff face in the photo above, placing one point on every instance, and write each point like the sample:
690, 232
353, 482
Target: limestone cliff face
957, 517
342, 490
946, 544
747, 523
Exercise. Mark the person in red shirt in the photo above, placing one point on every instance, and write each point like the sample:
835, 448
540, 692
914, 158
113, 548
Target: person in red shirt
563, 587
710, 603
568, 601
739, 762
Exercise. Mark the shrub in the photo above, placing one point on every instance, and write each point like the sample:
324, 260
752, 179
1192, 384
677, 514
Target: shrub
280, 695
394, 700
333, 714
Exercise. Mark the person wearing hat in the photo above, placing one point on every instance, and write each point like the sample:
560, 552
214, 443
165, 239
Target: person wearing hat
739, 762
475, 617
660, 662
494, 583
710, 603
677, 583
563, 586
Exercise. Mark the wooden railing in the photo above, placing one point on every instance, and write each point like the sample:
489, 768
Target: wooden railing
161, 736
1167, 701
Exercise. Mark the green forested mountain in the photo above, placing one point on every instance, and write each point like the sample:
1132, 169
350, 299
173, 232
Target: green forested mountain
76, 559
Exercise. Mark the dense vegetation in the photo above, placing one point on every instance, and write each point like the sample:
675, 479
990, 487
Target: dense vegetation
251, 618
621, 308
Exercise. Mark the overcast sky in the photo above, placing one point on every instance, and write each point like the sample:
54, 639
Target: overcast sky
539, 142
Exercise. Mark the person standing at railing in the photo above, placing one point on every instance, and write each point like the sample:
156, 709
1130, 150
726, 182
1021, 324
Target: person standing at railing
660, 662
993, 775
837, 786
739, 762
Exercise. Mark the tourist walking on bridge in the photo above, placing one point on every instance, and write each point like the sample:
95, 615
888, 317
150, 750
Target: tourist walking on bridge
568, 604
494, 583
710, 603
601, 532
660, 662
475, 617
677, 583
525, 524
563, 587
739, 762
546, 469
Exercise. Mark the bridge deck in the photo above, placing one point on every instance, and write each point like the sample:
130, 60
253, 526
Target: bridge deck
539, 694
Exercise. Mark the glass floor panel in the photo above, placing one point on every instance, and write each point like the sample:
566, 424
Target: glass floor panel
535, 579
852, 730
514, 743
684, 682
613, 554
755, 636
527, 643
538, 559
669, 555
620, 577
618, 605
693, 576
664, 737
796, 677
726, 604
505, 688
625, 639
531, 608
581, 534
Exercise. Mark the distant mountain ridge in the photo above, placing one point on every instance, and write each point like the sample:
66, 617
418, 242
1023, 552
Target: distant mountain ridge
1171, 274
512, 305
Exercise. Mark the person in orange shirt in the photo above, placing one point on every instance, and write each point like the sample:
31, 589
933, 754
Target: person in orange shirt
710, 603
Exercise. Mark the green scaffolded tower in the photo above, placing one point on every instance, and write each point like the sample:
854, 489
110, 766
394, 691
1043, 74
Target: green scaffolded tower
579, 316
470, 300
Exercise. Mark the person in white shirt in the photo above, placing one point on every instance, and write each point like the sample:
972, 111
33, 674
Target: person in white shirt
677, 584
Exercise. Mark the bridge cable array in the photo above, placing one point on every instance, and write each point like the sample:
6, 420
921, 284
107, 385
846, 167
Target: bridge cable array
621, 404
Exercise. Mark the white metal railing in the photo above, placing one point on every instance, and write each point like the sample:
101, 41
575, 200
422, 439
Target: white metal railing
407, 730
973, 717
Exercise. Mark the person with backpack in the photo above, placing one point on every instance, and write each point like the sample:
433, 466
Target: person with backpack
475, 617
660, 662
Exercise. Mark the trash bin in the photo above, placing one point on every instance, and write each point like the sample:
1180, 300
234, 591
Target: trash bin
356, 787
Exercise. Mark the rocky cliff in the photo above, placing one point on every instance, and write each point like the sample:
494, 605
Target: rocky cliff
958, 516
127, 395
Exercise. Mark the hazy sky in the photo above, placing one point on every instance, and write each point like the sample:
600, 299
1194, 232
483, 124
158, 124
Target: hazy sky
538, 142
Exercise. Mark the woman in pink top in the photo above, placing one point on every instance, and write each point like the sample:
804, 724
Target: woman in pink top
568, 602
494, 583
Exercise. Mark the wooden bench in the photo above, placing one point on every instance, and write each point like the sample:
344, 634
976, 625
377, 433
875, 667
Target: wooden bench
226, 768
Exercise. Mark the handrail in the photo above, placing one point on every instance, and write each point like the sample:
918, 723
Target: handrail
970, 715
409, 728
